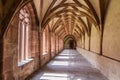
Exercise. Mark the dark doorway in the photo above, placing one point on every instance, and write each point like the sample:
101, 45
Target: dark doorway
69, 43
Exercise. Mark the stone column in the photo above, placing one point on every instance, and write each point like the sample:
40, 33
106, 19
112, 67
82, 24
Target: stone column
1, 58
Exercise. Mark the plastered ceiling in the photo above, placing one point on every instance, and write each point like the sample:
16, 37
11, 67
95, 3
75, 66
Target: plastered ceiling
69, 17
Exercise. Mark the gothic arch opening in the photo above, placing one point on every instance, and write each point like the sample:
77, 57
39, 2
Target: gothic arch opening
20, 42
69, 42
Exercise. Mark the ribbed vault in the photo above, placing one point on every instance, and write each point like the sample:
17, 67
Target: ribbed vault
70, 17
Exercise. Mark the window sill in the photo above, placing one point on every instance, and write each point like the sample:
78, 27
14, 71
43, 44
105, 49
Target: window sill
44, 53
25, 62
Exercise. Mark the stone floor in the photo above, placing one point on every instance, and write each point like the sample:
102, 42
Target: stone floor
69, 65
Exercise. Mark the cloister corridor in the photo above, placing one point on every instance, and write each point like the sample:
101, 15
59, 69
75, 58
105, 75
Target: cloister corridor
59, 39
68, 65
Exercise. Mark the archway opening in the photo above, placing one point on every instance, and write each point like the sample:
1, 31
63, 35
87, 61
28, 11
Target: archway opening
69, 43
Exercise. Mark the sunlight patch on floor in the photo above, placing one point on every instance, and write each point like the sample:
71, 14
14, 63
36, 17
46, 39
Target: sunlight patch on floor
60, 63
66, 54
79, 79
63, 57
54, 76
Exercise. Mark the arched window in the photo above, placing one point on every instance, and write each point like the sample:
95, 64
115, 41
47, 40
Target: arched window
45, 41
23, 36
52, 43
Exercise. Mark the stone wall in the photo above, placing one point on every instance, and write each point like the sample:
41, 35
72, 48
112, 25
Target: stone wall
86, 42
95, 40
11, 70
10, 50
110, 68
106, 57
111, 38
51, 47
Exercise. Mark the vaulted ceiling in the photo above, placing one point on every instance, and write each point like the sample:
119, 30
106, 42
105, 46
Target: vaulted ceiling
66, 17
70, 17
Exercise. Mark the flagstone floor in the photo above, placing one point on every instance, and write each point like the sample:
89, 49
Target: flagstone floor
68, 65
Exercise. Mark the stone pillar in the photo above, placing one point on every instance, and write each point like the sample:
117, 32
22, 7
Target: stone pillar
1, 58
50, 35
1, 44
